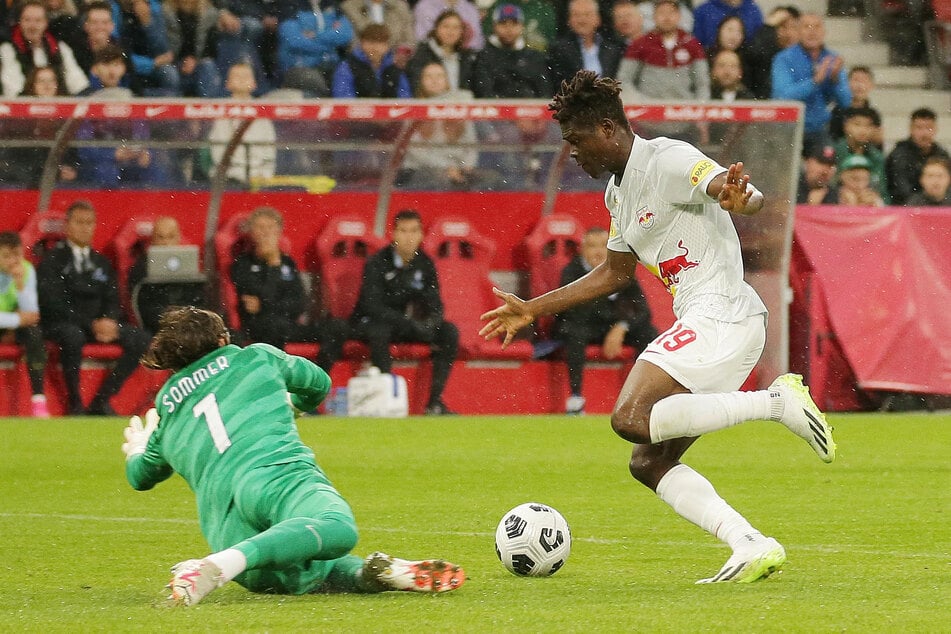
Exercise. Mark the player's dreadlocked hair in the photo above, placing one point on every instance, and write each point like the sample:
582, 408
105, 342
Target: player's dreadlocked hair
185, 335
587, 99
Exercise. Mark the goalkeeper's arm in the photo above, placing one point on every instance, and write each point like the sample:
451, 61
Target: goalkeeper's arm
144, 465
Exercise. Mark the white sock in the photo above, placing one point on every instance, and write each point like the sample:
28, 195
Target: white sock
689, 415
694, 499
231, 562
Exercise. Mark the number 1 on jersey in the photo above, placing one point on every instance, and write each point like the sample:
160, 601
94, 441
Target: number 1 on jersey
208, 407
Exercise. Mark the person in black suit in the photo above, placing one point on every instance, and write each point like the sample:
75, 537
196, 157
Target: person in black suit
271, 298
612, 321
399, 301
79, 304
150, 299
583, 47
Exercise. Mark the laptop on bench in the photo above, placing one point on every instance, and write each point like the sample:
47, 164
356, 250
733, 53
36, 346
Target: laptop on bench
170, 264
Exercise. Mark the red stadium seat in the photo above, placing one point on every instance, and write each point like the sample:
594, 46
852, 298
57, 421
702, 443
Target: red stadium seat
42, 231
342, 249
551, 245
463, 257
129, 243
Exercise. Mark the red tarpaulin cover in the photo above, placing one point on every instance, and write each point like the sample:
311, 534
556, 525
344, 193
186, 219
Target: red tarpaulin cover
886, 275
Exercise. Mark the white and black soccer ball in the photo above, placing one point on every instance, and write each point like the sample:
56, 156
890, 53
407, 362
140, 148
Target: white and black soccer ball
533, 540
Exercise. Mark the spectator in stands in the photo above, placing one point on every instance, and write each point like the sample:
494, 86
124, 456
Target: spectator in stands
730, 37
245, 30
583, 46
816, 178
726, 77
255, 156
142, 35
395, 15
506, 67
538, 20
628, 23
399, 302
309, 45
272, 304
20, 315
192, 33
685, 7
621, 319
64, 22
23, 166
811, 73
780, 31
128, 161
905, 162
446, 45
150, 299
935, 184
426, 15
667, 62
859, 125
31, 45
98, 32
442, 154
708, 17
855, 183
370, 71
79, 304
861, 84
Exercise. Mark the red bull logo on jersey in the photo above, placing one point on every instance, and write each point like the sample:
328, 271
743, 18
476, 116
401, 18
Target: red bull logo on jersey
645, 218
669, 270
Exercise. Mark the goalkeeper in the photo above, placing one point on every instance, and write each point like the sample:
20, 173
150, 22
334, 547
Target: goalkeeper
224, 421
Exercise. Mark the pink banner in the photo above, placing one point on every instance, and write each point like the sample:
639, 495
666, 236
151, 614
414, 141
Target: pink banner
886, 274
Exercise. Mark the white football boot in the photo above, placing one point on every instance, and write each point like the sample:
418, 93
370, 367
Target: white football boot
803, 417
429, 575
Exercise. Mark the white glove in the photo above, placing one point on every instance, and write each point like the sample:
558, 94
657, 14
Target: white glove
137, 436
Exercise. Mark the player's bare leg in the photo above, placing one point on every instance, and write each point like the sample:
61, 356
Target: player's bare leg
657, 465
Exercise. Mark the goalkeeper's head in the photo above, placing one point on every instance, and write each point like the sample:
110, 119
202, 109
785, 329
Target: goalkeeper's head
185, 335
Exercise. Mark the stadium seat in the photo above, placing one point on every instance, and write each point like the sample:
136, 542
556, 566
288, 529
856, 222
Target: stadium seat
463, 258
342, 249
42, 231
129, 243
550, 246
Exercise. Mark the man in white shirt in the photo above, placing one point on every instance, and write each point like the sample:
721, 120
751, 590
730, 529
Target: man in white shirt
668, 204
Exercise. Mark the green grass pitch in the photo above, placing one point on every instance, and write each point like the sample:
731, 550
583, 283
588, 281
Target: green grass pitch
868, 537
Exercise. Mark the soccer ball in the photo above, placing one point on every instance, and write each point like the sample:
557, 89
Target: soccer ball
533, 540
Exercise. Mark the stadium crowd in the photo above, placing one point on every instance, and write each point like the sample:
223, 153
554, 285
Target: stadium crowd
661, 49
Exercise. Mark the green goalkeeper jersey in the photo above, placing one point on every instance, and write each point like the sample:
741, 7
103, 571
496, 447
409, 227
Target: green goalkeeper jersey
225, 416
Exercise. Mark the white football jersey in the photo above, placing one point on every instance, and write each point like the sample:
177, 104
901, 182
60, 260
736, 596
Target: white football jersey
661, 212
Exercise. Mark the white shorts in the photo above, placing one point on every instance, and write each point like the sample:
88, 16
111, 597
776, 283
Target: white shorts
707, 356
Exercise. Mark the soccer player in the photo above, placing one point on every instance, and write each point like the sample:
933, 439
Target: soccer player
668, 204
224, 421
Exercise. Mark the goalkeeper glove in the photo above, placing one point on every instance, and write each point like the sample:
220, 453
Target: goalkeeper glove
137, 435
297, 412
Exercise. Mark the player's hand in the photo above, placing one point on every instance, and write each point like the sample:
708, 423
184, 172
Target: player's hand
507, 319
137, 435
737, 195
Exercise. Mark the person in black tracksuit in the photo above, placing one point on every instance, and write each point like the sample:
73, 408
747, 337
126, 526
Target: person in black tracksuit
79, 304
623, 318
271, 299
399, 302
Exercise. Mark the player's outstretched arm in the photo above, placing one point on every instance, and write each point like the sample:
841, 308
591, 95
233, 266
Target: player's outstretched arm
516, 313
144, 468
735, 192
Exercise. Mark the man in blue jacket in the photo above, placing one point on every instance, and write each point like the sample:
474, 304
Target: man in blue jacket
811, 73
309, 45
